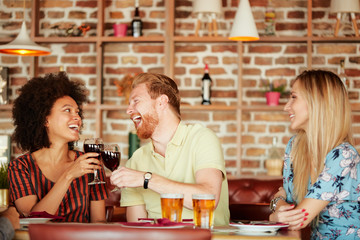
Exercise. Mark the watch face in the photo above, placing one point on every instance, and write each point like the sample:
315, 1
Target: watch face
147, 175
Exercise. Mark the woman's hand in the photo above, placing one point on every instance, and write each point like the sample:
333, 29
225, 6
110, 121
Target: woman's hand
286, 213
84, 164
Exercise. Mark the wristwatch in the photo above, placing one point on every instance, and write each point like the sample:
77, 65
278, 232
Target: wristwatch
274, 202
147, 177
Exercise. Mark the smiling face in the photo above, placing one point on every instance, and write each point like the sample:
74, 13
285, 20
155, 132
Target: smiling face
142, 111
64, 121
297, 108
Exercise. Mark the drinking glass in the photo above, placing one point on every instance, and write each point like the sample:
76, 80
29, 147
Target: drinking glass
94, 145
172, 206
111, 156
204, 206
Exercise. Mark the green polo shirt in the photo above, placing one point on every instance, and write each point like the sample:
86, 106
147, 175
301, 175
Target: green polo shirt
192, 148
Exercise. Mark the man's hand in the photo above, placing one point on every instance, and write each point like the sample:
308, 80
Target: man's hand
126, 177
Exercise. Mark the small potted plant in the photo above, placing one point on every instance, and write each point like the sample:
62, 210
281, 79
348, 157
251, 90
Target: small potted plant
273, 91
4, 186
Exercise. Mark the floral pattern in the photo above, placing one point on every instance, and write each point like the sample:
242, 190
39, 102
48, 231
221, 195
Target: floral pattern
339, 184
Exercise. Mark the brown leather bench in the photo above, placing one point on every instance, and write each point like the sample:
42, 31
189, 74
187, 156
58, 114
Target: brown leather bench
249, 199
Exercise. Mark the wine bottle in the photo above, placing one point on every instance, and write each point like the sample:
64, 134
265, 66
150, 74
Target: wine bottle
342, 74
274, 162
136, 24
206, 87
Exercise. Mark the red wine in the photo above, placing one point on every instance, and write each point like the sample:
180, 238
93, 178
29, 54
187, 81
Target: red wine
110, 159
206, 87
88, 147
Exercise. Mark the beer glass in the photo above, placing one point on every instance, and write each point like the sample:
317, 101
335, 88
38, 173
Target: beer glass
171, 206
203, 206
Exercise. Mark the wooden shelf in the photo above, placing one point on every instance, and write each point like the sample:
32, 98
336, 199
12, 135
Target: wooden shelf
65, 39
134, 39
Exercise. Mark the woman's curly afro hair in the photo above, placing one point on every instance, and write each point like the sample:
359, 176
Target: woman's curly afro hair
34, 104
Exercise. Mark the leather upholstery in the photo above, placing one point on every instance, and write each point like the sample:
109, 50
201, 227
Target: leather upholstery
80, 231
249, 198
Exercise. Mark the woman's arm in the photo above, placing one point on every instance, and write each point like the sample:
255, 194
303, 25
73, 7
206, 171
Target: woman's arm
84, 164
97, 211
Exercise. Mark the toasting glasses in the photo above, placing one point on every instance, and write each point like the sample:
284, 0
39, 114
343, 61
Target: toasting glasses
94, 145
111, 158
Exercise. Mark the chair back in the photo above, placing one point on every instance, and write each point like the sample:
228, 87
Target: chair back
89, 231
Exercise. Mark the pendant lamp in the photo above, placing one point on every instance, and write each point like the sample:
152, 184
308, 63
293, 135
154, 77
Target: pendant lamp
22, 45
244, 28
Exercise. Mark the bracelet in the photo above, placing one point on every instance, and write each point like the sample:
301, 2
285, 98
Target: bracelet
274, 202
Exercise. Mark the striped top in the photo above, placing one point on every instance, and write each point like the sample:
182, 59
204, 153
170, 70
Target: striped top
26, 178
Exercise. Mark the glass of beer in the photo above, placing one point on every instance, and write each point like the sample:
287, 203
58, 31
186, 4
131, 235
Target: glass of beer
171, 206
204, 206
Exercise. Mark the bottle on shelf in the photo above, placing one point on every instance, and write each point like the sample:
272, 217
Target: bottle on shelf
206, 87
274, 162
136, 24
270, 20
342, 74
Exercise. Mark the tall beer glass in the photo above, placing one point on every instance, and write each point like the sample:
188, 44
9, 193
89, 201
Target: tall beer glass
171, 206
204, 206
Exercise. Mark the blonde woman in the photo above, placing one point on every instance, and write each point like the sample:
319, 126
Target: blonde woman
321, 168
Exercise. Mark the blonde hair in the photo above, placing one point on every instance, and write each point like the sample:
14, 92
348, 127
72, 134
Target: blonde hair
329, 125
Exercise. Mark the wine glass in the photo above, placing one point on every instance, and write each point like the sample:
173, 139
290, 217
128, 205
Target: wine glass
111, 156
94, 145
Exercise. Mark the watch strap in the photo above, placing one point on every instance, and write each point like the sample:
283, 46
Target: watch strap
146, 179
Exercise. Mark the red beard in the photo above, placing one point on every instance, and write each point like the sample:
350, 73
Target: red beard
147, 126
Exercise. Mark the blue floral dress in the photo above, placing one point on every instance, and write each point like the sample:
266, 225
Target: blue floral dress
339, 183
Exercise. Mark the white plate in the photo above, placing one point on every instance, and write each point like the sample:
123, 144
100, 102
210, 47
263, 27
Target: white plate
26, 221
157, 227
268, 228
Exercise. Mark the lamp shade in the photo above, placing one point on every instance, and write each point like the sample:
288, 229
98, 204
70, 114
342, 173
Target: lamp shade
207, 6
23, 45
344, 6
244, 28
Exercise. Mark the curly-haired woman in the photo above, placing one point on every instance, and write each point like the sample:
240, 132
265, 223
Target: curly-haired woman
321, 168
50, 176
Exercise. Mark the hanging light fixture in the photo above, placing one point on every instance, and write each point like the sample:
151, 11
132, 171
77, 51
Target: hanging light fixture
22, 45
244, 28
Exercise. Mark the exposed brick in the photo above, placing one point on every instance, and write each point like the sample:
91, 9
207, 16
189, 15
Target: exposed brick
211, 60
272, 117
225, 82
116, 47
116, 15
110, 59
156, 70
190, 93
129, 59
252, 71
122, 70
148, 60
55, 14
86, 4
256, 128
290, 26
231, 152
296, 14
56, 4
88, 59
49, 59
157, 14
189, 59
223, 94
263, 61
76, 48
296, 49
354, 60
335, 49
224, 116
290, 60
148, 49
255, 151
318, 60
277, 129
230, 60
199, 116
264, 49
81, 70
224, 48
280, 72
9, 59
190, 48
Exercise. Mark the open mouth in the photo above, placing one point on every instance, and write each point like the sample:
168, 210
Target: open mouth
136, 120
74, 127
292, 116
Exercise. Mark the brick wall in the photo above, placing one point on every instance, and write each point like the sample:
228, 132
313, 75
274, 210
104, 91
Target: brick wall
268, 61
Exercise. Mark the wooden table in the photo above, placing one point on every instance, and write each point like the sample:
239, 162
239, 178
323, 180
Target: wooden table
281, 235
